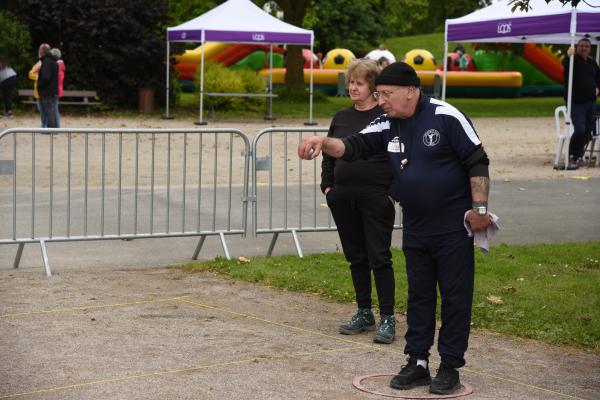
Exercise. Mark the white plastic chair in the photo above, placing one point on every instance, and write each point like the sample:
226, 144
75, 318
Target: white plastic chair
564, 130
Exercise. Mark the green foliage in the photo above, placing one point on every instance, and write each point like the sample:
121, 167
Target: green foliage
294, 96
15, 43
112, 46
220, 79
434, 42
355, 25
181, 11
524, 4
296, 106
547, 292
413, 17
409, 17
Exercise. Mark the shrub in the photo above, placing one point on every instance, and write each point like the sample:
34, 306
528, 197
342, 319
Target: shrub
15, 45
220, 79
296, 96
111, 46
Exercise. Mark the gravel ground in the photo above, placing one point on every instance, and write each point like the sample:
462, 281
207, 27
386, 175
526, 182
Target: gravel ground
121, 332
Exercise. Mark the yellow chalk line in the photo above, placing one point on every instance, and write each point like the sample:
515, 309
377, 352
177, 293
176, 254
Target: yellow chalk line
284, 325
83, 308
377, 347
510, 380
175, 371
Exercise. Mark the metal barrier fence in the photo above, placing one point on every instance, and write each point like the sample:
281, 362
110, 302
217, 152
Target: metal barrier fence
61, 185
286, 191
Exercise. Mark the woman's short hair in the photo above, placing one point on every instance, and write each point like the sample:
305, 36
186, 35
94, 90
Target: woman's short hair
365, 68
56, 53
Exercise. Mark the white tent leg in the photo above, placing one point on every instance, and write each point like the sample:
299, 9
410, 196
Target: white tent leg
310, 95
570, 87
200, 120
269, 116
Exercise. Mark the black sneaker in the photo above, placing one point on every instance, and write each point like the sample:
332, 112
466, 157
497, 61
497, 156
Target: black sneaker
411, 376
572, 164
446, 381
363, 320
386, 330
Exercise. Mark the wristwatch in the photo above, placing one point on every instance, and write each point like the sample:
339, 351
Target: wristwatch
480, 210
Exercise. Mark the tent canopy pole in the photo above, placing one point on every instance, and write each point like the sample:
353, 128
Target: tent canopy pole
202, 43
445, 62
310, 87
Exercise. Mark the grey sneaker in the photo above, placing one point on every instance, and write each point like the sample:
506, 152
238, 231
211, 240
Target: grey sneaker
363, 320
386, 330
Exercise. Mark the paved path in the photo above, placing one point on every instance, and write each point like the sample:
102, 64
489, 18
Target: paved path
111, 323
154, 333
541, 211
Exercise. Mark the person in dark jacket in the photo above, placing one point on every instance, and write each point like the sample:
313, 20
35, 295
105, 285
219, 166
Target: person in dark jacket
8, 82
47, 85
441, 180
586, 87
357, 195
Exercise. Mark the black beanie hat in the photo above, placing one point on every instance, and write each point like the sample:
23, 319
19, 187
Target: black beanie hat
398, 74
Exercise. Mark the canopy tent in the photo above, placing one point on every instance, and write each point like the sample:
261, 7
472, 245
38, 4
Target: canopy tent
238, 21
543, 23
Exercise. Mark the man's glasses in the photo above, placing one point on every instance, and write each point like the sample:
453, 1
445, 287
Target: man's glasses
384, 94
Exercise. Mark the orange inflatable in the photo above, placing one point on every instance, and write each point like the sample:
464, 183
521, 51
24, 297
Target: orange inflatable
549, 65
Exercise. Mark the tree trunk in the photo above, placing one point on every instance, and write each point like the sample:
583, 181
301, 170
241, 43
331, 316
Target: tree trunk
293, 13
294, 75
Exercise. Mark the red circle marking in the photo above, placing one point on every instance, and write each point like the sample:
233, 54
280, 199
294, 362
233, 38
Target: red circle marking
357, 383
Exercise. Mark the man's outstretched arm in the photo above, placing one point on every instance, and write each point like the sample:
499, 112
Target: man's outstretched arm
312, 146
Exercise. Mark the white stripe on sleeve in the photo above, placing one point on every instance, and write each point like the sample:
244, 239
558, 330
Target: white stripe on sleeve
378, 125
447, 109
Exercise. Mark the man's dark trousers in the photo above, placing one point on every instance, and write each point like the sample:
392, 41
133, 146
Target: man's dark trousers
448, 261
365, 226
582, 117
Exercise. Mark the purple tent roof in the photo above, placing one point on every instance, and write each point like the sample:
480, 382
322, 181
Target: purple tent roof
238, 21
543, 23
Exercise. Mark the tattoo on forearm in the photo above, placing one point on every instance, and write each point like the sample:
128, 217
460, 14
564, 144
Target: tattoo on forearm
480, 189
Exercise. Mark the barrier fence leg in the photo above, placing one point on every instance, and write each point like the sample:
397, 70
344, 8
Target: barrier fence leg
198, 247
272, 245
45, 258
297, 243
18, 256
224, 244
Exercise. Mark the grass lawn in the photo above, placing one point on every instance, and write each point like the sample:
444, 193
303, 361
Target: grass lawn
328, 106
434, 42
547, 292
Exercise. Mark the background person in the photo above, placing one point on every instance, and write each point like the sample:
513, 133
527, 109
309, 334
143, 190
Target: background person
357, 195
8, 83
33, 75
442, 182
47, 84
586, 87
56, 53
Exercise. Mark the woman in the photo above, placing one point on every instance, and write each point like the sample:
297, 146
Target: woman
357, 194
8, 82
57, 54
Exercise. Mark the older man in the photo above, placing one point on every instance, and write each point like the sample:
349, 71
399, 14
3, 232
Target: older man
586, 87
441, 180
